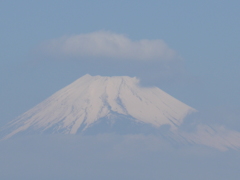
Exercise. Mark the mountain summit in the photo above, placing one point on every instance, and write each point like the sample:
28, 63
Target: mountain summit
89, 99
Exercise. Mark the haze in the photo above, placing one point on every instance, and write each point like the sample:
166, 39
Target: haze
188, 49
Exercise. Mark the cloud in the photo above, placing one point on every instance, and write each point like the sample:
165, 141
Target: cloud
111, 157
109, 45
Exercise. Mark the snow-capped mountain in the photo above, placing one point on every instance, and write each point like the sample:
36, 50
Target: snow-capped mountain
90, 98
120, 104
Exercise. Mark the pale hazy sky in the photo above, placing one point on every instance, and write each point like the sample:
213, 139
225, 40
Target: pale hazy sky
190, 49
203, 35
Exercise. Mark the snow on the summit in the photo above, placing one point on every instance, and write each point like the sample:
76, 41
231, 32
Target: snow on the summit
90, 98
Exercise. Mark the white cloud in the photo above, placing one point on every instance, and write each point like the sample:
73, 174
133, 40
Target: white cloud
109, 45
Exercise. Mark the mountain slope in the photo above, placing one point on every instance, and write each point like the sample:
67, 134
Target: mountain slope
90, 98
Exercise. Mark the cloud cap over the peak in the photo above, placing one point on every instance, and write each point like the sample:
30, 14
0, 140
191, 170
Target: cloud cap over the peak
110, 45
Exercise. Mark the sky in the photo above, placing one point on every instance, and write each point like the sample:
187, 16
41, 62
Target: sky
190, 49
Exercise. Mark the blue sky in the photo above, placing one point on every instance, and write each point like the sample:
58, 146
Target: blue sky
199, 65
204, 34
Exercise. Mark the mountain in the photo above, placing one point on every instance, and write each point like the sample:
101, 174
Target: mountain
96, 104
90, 98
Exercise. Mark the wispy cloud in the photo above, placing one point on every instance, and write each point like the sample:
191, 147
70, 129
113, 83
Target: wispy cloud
109, 45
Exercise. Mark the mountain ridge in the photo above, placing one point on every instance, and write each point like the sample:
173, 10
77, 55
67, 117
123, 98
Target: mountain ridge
99, 104
90, 98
